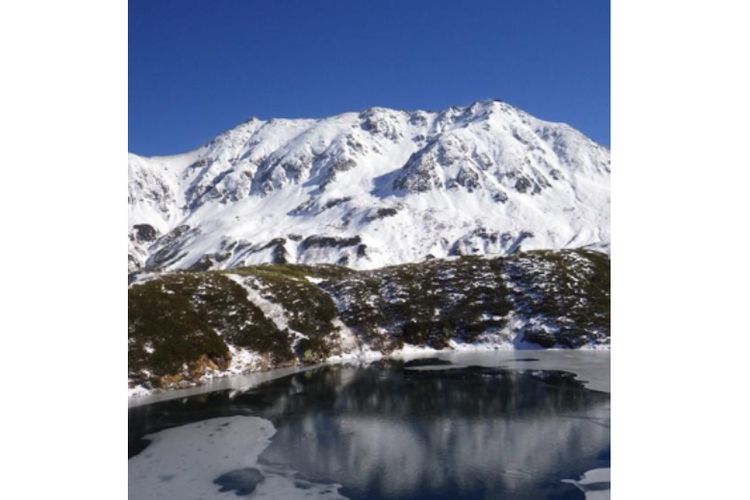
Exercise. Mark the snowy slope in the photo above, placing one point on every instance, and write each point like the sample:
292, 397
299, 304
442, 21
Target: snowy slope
370, 189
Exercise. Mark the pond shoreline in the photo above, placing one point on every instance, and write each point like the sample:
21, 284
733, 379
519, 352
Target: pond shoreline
591, 366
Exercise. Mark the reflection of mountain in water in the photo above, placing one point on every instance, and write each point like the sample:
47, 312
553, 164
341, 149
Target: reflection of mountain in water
453, 433
447, 434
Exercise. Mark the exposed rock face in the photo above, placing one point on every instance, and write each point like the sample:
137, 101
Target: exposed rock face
183, 325
144, 233
408, 184
480, 241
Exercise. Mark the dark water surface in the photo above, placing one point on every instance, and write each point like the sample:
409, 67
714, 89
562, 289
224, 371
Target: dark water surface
388, 432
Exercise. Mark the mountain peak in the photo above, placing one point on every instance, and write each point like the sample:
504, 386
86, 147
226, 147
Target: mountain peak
366, 189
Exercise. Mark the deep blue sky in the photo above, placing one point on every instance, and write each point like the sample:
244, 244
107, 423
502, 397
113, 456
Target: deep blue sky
199, 67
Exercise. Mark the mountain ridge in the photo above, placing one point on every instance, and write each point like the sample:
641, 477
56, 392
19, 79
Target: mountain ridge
368, 189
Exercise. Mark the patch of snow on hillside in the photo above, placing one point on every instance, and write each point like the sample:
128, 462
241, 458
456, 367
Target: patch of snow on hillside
273, 311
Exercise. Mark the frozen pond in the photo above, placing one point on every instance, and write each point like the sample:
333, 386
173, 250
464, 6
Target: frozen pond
504, 424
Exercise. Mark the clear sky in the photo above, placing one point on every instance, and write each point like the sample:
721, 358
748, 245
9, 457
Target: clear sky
199, 67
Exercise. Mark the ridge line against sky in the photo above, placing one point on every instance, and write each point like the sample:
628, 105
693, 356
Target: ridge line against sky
197, 69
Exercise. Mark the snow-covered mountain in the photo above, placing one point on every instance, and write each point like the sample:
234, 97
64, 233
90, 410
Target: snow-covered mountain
370, 189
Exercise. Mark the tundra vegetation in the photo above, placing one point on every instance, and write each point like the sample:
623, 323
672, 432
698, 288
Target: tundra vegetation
183, 324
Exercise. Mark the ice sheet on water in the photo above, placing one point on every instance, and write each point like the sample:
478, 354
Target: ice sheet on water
595, 483
216, 459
